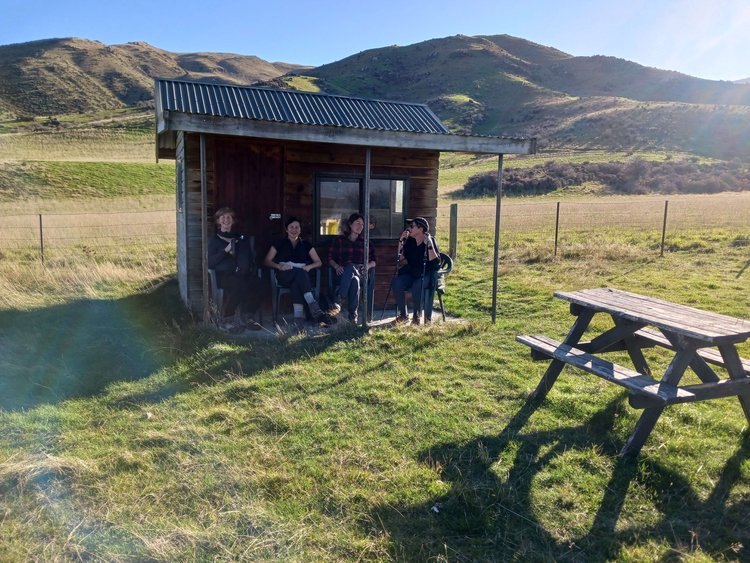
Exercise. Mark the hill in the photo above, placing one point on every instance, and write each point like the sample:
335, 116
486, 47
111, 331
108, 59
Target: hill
494, 85
506, 85
55, 76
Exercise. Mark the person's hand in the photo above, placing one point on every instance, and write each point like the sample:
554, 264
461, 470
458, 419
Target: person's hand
228, 247
285, 266
339, 270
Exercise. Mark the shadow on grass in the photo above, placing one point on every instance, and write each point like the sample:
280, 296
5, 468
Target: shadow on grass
77, 349
491, 514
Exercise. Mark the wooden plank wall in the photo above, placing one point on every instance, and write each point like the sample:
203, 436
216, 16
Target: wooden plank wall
194, 251
302, 161
182, 217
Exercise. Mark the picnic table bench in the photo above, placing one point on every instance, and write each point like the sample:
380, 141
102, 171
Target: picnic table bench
697, 338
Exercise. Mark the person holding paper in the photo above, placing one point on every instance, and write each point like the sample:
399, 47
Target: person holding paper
293, 258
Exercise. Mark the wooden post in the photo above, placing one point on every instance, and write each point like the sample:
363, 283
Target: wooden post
496, 268
41, 239
204, 227
664, 227
557, 226
453, 242
366, 285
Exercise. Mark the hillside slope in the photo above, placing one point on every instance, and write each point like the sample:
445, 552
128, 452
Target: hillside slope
506, 85
494, 85
76, 75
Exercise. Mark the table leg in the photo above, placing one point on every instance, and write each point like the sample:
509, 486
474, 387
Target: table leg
651, 415
553, 371
734, 367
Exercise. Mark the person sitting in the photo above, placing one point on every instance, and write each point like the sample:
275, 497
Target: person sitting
420, 258
293, 258
230, 255
347, 258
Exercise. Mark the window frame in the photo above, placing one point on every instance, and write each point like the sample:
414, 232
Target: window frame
351, 177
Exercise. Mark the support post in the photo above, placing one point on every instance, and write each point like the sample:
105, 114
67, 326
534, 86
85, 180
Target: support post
204, 227
41, 239
557, 225
366, 285
664, 227
496, 261
453, 242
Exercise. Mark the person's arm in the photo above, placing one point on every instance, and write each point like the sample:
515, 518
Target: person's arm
433, 257
217, 250
269, 263
316, 261
334, 257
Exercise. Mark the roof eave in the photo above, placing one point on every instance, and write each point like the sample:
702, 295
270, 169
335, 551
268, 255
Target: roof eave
169, 122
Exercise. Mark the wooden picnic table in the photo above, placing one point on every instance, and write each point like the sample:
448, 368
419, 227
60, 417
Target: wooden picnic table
697, 337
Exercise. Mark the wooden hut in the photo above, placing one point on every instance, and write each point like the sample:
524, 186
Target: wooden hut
271, 154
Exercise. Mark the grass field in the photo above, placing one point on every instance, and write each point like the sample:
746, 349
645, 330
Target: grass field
129, 432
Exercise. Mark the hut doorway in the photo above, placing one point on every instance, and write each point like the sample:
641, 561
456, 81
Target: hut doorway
249, 178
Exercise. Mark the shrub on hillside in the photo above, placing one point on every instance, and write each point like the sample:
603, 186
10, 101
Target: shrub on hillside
637, 176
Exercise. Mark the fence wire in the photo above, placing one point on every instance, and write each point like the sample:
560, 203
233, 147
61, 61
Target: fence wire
552, 223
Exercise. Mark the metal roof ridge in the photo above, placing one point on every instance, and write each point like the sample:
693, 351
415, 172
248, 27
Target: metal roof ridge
291, 91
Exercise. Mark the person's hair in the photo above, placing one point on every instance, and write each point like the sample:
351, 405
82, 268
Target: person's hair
223, 211
348, 224
291, 220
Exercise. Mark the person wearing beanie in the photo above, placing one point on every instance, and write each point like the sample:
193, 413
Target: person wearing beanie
419, 257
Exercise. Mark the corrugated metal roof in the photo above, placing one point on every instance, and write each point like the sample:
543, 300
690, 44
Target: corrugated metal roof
292, 106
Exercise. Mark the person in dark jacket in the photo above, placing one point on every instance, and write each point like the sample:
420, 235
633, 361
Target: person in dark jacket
293, 258
230, 255
419, 258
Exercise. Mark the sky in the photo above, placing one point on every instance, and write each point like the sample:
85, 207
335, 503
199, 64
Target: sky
703, 38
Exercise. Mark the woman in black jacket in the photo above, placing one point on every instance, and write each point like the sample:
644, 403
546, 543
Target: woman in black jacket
230, 255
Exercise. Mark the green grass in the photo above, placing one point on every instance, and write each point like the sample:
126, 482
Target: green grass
129, 433
83, 180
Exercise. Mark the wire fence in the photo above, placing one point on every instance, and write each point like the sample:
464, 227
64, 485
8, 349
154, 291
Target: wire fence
107, 234
658, 223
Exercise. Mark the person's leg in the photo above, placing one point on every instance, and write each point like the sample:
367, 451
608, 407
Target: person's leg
301, 290
352, 290
232, 286
400, 284
416, 297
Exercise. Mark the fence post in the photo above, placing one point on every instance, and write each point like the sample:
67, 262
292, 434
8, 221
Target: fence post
557, 225
453, 242
664, 227
41, 239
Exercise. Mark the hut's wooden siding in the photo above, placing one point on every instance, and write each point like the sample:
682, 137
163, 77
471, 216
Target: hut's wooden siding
182, 215
303, 161
299, 164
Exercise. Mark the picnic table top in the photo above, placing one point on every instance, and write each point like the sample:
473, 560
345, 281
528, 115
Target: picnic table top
705, 326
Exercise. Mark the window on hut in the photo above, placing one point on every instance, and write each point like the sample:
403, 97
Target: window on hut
339, 197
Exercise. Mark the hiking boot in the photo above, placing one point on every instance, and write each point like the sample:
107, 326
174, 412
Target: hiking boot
353, 317
336, 306
401, 320
415, 320
252, 325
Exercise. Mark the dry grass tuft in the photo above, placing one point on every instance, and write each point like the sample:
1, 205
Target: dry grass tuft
23, 470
